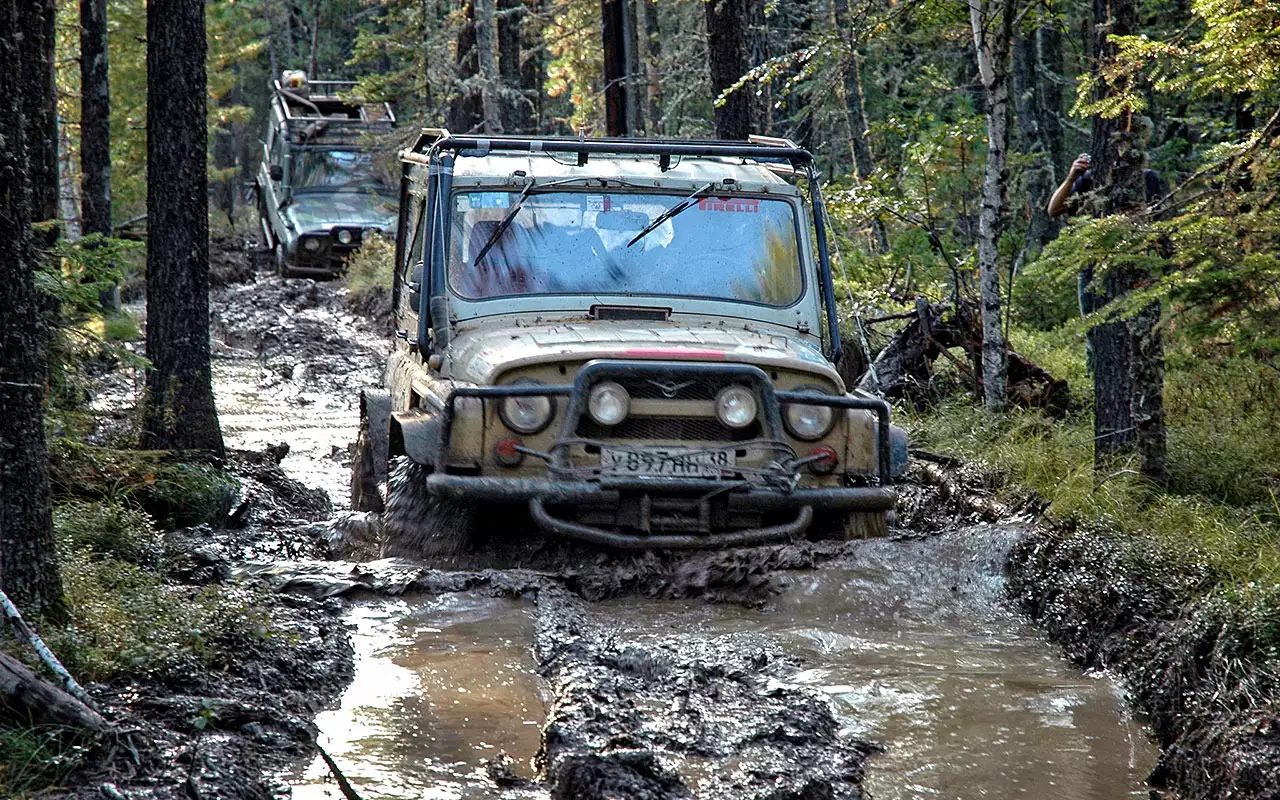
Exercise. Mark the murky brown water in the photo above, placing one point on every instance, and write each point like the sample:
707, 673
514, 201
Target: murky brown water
442, 685
909, 640
915, 650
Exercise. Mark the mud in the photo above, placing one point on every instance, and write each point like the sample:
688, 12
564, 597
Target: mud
1193, 663
502, 629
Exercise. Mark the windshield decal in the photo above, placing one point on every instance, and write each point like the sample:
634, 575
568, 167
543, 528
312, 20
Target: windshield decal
742, 205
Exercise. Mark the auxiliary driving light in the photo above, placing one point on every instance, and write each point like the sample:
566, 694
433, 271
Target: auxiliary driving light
608, 404
736, 406
808, 423
528, 414
344, 237
311, 244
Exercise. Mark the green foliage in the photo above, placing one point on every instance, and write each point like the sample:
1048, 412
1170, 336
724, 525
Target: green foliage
32, 759
106, 529
576, 70
175, 494
371, 268
127, 621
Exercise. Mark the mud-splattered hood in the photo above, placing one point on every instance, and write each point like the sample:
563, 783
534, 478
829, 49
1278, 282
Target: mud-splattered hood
319, 211
481, 354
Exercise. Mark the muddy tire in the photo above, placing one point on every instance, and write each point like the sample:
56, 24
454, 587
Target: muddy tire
265, 240
368, 468
282, 263
417, 525
866, 525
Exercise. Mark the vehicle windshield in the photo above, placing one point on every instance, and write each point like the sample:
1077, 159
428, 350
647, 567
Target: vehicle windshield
574, 242
336, 169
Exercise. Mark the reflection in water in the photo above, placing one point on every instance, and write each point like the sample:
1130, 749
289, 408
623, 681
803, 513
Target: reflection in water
914, 648
442, 685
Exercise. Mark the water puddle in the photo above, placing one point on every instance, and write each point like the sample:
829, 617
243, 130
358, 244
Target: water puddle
914, 648
442, 685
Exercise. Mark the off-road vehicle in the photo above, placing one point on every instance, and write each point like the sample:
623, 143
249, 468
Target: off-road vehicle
631, 339
319, 189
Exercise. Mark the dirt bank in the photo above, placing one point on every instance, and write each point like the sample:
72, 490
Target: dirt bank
1190, 657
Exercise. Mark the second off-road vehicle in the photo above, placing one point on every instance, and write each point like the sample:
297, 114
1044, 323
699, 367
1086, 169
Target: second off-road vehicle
631, 339
320, 190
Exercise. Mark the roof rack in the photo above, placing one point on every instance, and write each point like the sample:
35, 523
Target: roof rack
321, 101
758, 148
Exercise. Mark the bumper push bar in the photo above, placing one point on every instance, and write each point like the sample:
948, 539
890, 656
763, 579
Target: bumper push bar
608, 490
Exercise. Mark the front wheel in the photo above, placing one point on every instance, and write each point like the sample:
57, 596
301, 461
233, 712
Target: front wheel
366, 489
418, 525
851, 525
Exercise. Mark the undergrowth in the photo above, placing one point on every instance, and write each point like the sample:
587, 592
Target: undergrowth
369, 269
1221, 509
125, 618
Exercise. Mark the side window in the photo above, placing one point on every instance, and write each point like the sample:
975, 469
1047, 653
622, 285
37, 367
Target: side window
413, 244
274, 154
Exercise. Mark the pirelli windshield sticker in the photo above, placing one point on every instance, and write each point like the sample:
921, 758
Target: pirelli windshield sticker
741, 205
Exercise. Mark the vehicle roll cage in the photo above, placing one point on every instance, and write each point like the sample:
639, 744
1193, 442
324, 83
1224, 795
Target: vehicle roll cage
433, 142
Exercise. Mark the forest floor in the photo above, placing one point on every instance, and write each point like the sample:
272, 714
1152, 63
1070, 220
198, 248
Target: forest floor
780, 672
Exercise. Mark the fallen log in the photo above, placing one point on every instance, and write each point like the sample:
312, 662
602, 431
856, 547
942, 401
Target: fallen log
28, 700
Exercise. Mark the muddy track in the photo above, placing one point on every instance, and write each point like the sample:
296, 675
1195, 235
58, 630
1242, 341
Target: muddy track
758, 683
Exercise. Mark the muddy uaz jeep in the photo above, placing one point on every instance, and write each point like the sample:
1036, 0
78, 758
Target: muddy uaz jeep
319, 191
631, 339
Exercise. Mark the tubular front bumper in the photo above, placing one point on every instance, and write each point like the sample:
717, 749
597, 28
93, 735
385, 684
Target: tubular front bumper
560, 490
539, 493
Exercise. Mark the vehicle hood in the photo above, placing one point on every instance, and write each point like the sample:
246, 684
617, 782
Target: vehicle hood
320, 211
480, 355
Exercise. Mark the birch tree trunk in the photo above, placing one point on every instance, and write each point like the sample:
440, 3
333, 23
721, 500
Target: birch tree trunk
992, 23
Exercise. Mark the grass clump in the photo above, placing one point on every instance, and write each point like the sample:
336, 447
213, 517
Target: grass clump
107, 529
371, 268
34, 758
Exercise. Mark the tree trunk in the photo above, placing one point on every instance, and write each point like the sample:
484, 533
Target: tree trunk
178, 408
727, 54
652, 66
28, 560
26, 700
517, 110
1128, 377
95, 120
466, 114
1039, 173
37, 46
487, 62
617, 113
992, 23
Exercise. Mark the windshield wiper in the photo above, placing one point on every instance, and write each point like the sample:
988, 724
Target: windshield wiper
529, 188
683, 205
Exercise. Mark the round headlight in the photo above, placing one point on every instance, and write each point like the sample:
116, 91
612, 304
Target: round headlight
736, 406
528, 414
808, 423
608, 403
311, 244
344, 237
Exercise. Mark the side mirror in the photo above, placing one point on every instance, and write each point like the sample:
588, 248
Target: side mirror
415, 286
276, 172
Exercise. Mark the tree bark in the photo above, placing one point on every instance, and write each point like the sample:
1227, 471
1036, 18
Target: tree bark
652, 66
1039, 174
27, 700
95, 120
37, 46
992, 22
487, 62
466, 114
728, 58
517, 110
178, 408
28, 560
613, 29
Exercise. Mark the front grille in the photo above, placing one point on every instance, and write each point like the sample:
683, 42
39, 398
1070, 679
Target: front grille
676, 389
676, 429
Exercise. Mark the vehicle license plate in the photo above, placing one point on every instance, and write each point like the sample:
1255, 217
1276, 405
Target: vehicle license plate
672, 463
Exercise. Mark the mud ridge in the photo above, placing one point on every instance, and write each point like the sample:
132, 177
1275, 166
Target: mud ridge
645, 721
1184, 653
